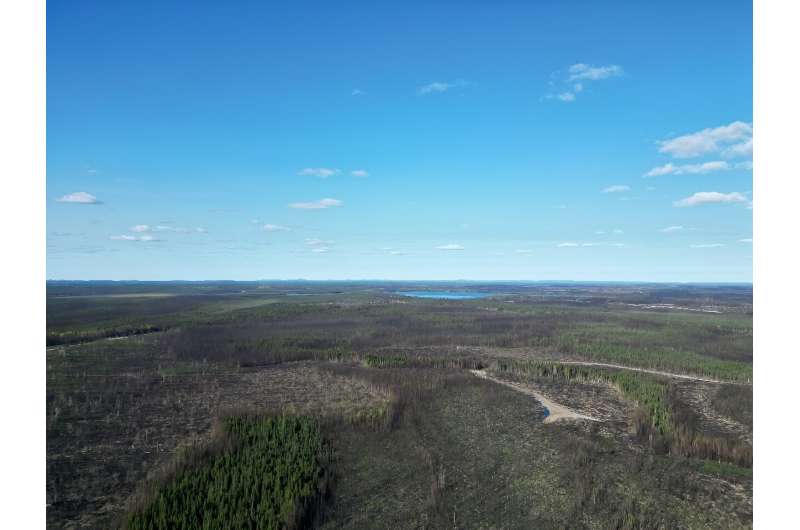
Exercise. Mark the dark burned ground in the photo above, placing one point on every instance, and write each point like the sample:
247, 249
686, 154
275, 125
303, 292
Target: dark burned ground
714, 415
478, 456
117, 413
418, 441
462, 452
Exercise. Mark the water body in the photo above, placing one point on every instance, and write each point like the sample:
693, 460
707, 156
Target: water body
444, 295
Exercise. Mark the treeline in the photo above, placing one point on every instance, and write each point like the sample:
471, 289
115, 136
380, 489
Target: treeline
662, 420
717, 346
655, 358
59, 338
265, 473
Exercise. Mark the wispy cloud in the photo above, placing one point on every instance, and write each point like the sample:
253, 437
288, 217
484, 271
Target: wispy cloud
359, 173
743, 149
357, 92
320, 250
316, 205
587, 72
275, 228
163, 228
437, 87
734, 139
128, 237
711, 197
568, 244
707, 245
670, 229
450, 246
594, 244
321, 172
567, 85
617, 188
315, 242
523, 251
80, 197
690, 169
746, 240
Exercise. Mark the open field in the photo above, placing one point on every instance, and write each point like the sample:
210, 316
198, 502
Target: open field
412, 439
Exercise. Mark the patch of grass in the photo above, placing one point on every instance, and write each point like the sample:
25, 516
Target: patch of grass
726, 470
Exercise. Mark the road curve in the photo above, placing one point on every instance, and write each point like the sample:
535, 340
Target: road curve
555, 411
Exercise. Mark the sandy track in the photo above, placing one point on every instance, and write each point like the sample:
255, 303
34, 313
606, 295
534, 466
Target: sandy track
556, 411
649, 371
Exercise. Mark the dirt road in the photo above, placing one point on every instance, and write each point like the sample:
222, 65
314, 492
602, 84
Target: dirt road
555, 411
649, 371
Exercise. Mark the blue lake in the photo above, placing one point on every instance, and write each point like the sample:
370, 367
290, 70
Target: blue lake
445, 295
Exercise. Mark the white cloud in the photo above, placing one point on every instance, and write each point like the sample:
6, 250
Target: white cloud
438, 87
746, 240
450, 246
359, 173
670, 229
666, 169
126, 237
707, 245
617, 188
617, 231
79, 197
162, 228
691, 169
275, 228
320, 250
568, 244
321, 172
740, 150
566, 86
588, 72
710, 197
316, 205
357, 92
315, 242
732, 138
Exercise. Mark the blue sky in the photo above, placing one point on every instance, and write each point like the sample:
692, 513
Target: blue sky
450, 140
